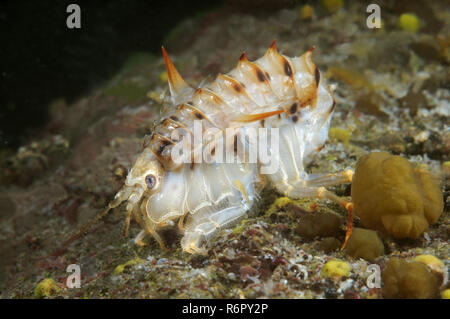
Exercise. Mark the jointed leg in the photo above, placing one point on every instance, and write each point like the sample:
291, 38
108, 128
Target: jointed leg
148, 227
314, 188
330, 179
198, 229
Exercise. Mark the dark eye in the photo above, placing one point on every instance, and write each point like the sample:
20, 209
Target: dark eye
150, 180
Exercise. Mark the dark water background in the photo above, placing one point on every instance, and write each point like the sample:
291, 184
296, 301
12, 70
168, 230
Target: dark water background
41, 59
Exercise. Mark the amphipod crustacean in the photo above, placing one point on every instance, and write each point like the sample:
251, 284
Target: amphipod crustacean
274, 91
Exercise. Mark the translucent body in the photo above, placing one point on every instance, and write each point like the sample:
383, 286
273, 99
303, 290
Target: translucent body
204, 197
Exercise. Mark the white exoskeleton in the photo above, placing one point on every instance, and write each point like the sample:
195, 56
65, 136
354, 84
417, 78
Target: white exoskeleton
274, 91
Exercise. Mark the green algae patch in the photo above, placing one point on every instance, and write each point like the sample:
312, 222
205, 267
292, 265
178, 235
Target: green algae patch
323, 224
278, 204
341, 134
46, 288
241, 227
133, 262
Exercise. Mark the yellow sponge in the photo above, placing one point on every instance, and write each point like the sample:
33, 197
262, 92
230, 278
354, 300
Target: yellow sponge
336, 269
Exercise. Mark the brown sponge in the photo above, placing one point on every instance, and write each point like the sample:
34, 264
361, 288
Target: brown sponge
409, 279
392, 196
364, 243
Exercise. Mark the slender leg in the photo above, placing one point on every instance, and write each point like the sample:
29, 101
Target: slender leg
148, 227
314, 188
200, 229
139, 240
330, 179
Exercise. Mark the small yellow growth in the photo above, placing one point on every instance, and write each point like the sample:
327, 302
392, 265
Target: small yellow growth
354, 78
409, 22
341, 134
163, 78
277, 204
154, 95
332, 5
336, 269
240, 228
46, 288
432, 262
445, 294
306, 12
119, 269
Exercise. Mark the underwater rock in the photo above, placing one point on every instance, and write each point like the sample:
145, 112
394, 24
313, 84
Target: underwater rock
404, 279
393, 197
364, 243
329, 244
370, 103
324, 224
32, 160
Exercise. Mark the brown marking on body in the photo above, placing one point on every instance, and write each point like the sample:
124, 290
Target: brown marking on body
193, 111
263, 123
317, 76
294, 118
293, 109
260, 75
199, 115
162, 146
256, 117
320, 148
237, 87
287, 68
235, 144
158, 144
267, 76
305, 103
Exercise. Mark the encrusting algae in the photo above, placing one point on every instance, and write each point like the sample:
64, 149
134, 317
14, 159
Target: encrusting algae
46, 288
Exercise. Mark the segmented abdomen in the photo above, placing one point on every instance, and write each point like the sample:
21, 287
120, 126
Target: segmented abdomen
273, 82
